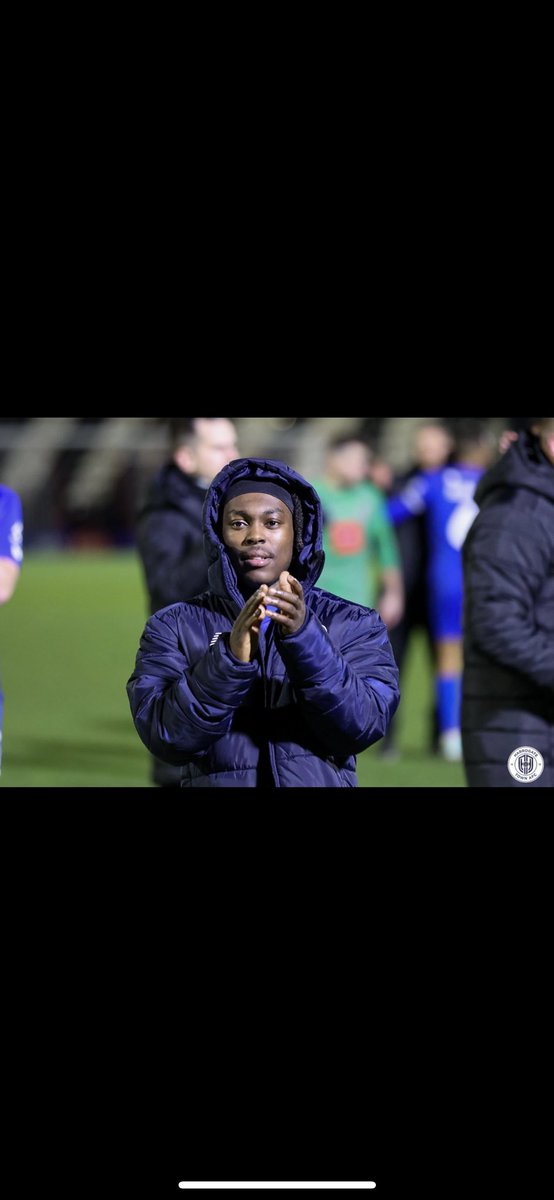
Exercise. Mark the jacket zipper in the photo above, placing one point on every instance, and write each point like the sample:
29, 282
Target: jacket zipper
271, 749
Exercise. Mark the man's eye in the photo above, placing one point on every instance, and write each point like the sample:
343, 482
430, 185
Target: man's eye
273, 522
237, 524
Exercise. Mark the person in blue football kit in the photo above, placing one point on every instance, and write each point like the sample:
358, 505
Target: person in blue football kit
446, 498
11, 557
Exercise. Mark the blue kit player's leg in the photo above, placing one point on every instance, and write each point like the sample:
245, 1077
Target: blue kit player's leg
446, 608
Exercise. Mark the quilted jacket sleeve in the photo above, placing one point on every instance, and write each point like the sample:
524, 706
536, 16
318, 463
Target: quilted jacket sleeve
506, 566
348, 685
179, 709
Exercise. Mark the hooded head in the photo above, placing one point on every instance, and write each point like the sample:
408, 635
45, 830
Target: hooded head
527, 464
261, 518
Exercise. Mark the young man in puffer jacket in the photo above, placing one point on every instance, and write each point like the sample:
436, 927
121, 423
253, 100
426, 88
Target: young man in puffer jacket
265, 680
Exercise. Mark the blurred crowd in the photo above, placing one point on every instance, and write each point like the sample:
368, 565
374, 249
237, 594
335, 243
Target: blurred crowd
81, 479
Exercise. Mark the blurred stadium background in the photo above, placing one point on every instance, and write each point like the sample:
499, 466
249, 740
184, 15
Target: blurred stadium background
68, 639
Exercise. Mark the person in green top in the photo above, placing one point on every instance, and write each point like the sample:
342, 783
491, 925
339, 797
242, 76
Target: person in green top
362, 557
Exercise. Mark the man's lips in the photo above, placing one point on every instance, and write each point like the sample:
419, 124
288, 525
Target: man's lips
255, 560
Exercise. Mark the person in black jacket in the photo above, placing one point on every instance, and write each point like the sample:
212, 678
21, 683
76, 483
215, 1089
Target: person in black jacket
169, 527
508, 690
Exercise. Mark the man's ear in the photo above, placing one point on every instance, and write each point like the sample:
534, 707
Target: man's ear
185, 458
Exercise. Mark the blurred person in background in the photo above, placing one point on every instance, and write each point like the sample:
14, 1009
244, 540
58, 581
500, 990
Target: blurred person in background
265, 681
508, 687
432, 448
169, 526
362, 561
11, 558
446, 498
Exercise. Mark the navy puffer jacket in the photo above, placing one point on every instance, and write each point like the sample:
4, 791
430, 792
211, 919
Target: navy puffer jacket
508, 699
302, 710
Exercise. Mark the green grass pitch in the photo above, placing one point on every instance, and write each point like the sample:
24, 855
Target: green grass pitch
68, 642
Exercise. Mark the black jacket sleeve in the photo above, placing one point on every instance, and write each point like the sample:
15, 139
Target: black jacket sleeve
506, 566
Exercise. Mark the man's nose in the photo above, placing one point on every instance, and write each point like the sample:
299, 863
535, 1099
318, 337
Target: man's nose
255, 534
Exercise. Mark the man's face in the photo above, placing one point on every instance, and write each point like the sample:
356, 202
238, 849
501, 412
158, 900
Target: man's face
214, 446
433, 447
258, 531
350, 464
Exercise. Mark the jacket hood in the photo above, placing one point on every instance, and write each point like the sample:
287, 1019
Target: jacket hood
524, 466
306, 566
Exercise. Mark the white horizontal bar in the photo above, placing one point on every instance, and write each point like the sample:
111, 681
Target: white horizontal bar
275, 1186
